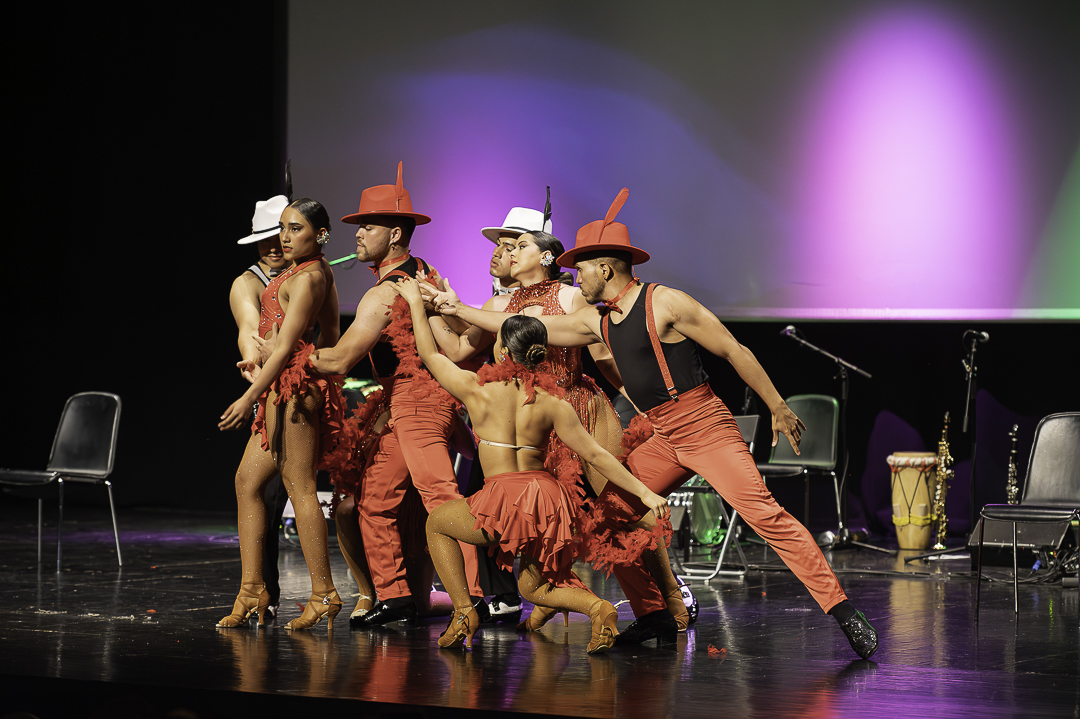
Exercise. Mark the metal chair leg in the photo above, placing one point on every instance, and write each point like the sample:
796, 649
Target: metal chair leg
806, 499
836, 490
59, 521
116, 532
1016, 577
978, 569
40, 513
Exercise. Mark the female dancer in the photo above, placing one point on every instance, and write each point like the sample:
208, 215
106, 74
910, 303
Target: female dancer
522, 508
532, 258
298, 410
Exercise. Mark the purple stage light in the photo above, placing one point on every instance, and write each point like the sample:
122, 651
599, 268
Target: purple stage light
911, 194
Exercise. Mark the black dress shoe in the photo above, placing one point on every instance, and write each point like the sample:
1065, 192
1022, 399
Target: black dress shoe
482, 609
861, 635
658, 625
505, 608
401, 610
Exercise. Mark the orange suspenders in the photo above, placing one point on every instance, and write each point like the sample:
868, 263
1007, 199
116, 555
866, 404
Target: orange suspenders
650, 323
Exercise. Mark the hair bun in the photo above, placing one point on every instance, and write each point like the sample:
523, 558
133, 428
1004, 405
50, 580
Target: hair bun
535, 354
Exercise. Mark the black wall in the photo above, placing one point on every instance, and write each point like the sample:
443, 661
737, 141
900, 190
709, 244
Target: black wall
142, 145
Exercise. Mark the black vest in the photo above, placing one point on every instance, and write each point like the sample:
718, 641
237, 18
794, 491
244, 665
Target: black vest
383, 359
633, 352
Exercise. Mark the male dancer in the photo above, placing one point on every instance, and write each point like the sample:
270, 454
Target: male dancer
518, 220
653, 333
462, 343
415, 442
245, 300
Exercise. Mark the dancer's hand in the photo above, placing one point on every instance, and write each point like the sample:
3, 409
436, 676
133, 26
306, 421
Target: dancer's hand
784, 420
249, 370
236, 416
410, 290
656, 504
445, 302
268, 345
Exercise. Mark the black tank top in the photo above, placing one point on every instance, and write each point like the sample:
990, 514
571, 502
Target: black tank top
258, 272
633, 352
383, 359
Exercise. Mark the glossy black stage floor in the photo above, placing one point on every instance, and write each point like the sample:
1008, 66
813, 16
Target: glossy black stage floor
98, 641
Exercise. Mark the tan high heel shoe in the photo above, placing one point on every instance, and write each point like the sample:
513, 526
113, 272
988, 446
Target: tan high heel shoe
605, 627
677, 607
252, 599
540, 616
325, 605
364, 603
462, 627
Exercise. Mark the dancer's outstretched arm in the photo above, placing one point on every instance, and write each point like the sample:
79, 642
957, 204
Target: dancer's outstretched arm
574, 330
577, 438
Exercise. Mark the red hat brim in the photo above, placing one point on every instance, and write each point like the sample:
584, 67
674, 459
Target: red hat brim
354, 219
637, 256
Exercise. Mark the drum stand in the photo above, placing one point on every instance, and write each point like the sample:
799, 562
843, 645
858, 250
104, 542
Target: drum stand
843, 537
969, 426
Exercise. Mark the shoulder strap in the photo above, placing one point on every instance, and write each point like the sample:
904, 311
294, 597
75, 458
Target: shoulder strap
257, 271
650, 323
604, 330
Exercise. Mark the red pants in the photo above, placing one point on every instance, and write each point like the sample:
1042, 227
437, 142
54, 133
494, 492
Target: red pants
697, 434
414, 444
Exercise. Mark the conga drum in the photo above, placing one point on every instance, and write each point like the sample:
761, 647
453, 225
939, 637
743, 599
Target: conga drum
912, 497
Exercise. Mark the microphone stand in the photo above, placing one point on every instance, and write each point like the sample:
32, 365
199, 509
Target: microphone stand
969, 415
843, 537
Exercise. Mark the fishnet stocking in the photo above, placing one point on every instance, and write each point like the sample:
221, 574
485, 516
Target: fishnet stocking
450, 523
351, 543
293, 429
605, 428
534, 588
656, 559
256, 470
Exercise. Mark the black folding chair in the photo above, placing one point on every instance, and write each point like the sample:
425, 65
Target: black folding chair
83, 451
1051, 490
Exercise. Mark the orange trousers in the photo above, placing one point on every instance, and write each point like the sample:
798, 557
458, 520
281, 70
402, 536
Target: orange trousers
698, 435
415, 444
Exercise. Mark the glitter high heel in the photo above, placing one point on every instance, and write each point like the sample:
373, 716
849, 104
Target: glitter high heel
252, 599
540, 616
326, 605
605, 628
462, 627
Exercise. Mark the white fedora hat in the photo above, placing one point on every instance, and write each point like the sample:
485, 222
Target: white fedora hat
520, 220
266, 222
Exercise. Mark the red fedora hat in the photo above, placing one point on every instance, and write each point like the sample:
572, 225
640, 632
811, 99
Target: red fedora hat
390, 200
605, 234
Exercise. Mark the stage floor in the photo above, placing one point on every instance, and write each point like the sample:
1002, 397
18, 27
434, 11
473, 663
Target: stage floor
95, 640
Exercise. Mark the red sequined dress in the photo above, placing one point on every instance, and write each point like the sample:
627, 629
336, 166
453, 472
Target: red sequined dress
297, 377
593, 407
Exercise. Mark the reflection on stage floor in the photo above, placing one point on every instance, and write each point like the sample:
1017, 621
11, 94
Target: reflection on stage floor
94, 639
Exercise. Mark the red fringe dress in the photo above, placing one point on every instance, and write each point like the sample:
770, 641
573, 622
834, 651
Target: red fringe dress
532, 512
297, 377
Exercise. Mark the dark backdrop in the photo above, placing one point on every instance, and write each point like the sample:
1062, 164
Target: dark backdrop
141, 146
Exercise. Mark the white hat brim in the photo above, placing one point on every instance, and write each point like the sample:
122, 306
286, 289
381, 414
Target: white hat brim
492, 233
256, 236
